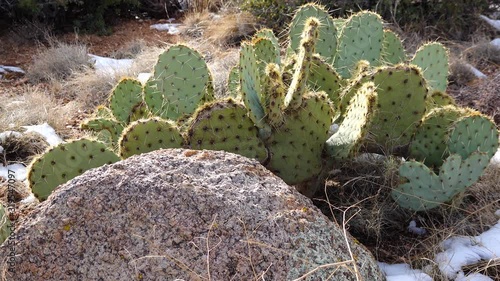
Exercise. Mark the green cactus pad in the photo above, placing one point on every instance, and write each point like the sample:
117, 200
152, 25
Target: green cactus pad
64, 162
297, 89
268, 34
401, 104
139, 111
149, 134
112, 126
473, 133
327, 42
233, 83
251, 85
274, 92
353, 130
103, 112
224, 125
426, 190
265, 52
297, 145
360, 39
5, 224
393, 51
432, 58
322, 77
429, 143
439, 99
181, 81
124, 97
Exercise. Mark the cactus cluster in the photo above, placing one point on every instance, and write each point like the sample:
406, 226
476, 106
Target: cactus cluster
347, 71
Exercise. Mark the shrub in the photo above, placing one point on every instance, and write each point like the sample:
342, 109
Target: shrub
58, 62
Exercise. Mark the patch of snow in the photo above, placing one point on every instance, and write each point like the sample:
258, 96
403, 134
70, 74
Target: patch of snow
144, 77
18, 170
461, 251
495, 42
5, 69
496, 157
171, 28
47, 132
30, 199
403, 272
472, 277
494, 23
476, 72
413, 228
109, 66
9, 134
1, 149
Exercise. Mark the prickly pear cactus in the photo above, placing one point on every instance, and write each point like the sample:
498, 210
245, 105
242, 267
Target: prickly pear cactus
180, 83
126, 94
5, 224
250, 84
327, 43
149, 134
224, 125
439, 99
432, 58
393, 51
430, 141
268, 34
110, 125
360, 39
293, 98
426, 190
473, 133
323, 77
139, 111
233, 83
401, 104
354, 129
274, 95
296, 146
64, 162
265, 52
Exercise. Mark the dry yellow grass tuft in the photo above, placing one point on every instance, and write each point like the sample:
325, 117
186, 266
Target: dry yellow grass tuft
35, 106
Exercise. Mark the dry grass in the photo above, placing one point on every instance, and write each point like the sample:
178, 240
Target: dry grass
58, 62
22, 149
130, 50
460, 72
36, 106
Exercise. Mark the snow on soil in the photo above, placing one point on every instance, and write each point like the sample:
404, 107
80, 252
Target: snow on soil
171, 28
47, 132
402, 272
19, 171
109, 66
4, 69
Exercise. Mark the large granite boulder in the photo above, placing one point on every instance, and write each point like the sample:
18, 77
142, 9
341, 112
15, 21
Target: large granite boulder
191, 215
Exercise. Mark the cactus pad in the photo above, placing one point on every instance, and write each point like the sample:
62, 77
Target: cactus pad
149, 134
139, 111
112, 126
274, 92
439, 99
426, 190
297, 145
432, 58
473, 133
265, 52
360, 39
224, 125
393, 51
233, 83
322, 77
64, 162
327, 42
181, 81
353, 130
124, 97
429, 143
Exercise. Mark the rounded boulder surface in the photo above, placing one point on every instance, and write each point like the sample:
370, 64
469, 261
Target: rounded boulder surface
191, 215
